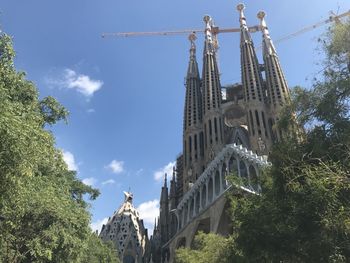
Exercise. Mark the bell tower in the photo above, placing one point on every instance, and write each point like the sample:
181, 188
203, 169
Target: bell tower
193, 141
211, 89
255, 96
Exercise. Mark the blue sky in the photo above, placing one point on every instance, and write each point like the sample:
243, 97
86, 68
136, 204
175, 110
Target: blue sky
126, 95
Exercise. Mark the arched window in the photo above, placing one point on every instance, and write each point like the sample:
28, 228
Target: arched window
243, 170
217, 183
232, 165
253, 178
197, 204
191, 208
223, 175
204, 196
210, 190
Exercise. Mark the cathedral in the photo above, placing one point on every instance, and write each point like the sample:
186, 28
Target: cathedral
221, 135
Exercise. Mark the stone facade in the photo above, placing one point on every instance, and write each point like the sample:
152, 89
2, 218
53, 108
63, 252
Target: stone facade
222, 135
126, 230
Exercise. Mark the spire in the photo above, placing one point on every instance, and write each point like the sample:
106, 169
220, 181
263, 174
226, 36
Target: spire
164, 193
193, 104
251, 75
192, 67
245, 35
254, 90
211, 96
268, 47
174, 174
128, 197
165, 180
211, 78
277, 88
172, 194
208, 44
192, 113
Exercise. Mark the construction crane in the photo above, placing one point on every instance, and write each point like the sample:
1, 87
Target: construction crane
332, 18
216, 30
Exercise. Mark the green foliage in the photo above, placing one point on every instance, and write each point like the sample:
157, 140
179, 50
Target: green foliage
43, 223
99, 252
52, 111
208, 248
45, 216
303, 214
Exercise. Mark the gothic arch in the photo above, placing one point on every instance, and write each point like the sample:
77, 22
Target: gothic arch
217, 183
197, 203
210, 190
204, 196
223, 175
202, 226
224, 226
253, 178
181, 242
232, 164
191, 207
185, 211
243, 170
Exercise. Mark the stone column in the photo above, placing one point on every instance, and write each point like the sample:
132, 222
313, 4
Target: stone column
220, 174
183, 216
248, 172
178, 221
194, 204
188, 210
200, 198
238, 167
214, 184
207, 193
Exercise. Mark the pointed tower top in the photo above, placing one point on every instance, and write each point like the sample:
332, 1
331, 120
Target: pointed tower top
174, 173
268, 46
128, 197
245, 35
192, 70
165, 180
192, 38
242, 20
208, 44
261, 15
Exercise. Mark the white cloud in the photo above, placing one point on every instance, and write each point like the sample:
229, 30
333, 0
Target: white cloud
70, 79
97, 225
91, 111
68, 157
116, 167
89, 181
167, 169
148, 212
82, 83
110, 181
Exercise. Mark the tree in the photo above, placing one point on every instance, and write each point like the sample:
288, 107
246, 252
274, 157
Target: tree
208, 248
99, 252
303, 214
44, 215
